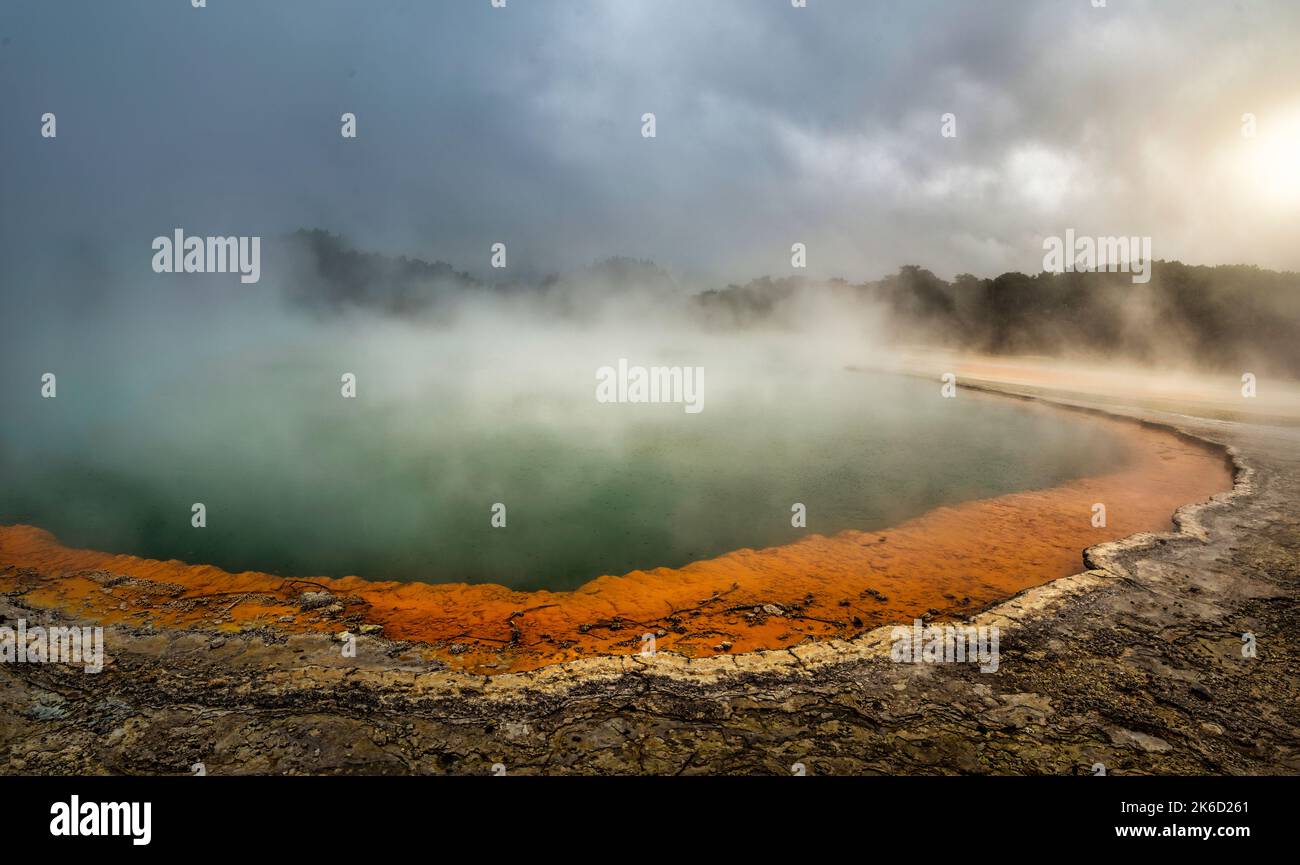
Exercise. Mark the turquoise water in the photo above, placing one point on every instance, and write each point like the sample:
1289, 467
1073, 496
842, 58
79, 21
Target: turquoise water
399, 483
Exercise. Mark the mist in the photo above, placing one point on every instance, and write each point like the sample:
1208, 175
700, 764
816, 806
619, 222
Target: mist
371, 427
521, 129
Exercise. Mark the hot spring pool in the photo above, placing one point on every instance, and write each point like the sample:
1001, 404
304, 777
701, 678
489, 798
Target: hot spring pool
298, 481
399, 483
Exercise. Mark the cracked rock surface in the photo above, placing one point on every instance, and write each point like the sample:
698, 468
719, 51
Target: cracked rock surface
1136, 664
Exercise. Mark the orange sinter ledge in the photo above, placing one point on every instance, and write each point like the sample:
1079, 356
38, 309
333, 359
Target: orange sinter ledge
946, 563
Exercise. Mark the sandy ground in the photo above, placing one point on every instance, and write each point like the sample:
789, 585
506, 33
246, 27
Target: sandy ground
1217, 397
1135, 664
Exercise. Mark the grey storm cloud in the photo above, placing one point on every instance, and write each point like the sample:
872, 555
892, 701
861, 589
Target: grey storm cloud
775, 125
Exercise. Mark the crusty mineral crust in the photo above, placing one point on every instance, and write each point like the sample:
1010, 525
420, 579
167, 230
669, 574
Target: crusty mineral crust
1135, 664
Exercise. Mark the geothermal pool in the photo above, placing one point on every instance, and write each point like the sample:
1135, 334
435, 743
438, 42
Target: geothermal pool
399, 483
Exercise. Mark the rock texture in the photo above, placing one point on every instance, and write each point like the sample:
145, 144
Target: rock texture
1135, 664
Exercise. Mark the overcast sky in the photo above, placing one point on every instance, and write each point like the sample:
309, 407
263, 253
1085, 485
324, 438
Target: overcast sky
775, 125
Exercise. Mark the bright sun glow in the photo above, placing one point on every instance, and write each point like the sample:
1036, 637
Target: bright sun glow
1271, 160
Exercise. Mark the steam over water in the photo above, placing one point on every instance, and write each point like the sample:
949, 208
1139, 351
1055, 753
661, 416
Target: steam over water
399, 483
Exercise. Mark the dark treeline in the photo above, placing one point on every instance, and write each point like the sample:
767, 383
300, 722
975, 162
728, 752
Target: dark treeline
1227, 318
319, 271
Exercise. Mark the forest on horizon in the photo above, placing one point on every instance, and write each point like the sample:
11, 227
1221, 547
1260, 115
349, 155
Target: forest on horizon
1227, 318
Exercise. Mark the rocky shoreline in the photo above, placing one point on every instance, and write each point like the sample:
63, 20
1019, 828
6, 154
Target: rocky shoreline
1135, 665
